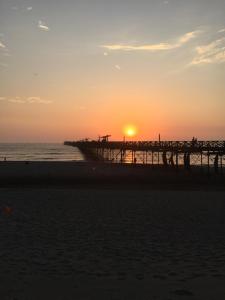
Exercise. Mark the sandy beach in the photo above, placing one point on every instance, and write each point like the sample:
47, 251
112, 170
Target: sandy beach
74, 173
111, 243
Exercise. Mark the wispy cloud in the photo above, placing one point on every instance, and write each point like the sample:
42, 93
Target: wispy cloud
118, 67
29, 8
221, 30
28, 100
187, 37
38, 100
43, 26
2, 45
4, 51
17, 100
213, 52
154, 47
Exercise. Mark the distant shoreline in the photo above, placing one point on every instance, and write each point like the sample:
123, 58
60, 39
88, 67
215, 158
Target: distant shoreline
96, 173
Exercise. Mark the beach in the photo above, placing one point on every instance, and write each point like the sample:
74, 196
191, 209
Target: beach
109, 241
61, 173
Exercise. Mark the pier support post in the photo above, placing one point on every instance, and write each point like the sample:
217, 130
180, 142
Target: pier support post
164, 158
221, 163
216, 161
171, 159
208, 162
121, 156
201, 159
177, 162
187, 160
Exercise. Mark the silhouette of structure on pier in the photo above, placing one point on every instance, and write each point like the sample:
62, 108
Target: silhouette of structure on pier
167, 153
104, 138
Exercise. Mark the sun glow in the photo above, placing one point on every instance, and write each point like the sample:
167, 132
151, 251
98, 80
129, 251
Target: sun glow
130, 131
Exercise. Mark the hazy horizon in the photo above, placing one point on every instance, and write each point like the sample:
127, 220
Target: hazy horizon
77, 69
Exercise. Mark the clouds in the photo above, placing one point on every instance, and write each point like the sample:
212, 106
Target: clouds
4, 50
213, 52
23, 100
221, 30
17, 100
4, 53
187, 37
154, 47
38, 100
43, 26
2, 45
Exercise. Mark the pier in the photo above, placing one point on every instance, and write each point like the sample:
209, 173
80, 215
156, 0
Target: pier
169, 154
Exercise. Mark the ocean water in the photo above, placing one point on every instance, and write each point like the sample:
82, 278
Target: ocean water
60, 152
39, 152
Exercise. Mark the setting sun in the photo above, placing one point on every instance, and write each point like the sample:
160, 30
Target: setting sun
130, 131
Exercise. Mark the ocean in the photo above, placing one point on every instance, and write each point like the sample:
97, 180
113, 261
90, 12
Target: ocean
60, 152
39, 152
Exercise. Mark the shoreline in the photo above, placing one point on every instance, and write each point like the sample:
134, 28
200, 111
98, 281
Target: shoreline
39, 173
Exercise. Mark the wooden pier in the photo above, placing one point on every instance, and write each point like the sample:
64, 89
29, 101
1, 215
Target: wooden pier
210, 154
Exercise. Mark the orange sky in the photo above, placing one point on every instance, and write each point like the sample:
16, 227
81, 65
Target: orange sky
73, 71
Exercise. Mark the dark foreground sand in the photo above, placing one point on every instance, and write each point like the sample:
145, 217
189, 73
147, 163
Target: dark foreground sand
72, 173
111, 243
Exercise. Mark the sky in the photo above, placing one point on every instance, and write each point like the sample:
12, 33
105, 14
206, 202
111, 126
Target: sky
77, 69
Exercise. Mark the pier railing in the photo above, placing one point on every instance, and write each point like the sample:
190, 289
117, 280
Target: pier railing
167, 153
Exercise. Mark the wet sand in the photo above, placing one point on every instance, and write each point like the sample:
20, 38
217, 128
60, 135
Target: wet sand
111, 243
75, 173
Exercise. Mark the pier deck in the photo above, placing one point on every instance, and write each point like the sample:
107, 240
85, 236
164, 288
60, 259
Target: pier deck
167, 153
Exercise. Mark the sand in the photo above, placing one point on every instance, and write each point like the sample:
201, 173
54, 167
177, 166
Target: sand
111, 243
72, 173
